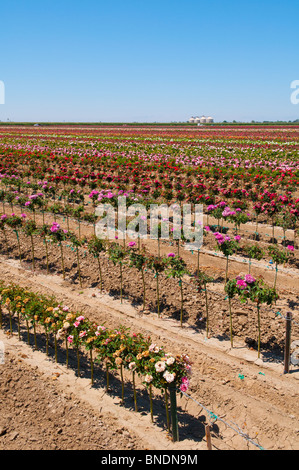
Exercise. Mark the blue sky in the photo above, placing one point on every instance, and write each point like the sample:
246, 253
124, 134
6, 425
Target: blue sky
162, 61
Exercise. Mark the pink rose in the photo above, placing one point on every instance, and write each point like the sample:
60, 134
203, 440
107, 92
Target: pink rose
241, 284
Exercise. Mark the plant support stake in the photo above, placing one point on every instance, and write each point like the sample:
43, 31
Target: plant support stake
174, 413
287, 343
208, 436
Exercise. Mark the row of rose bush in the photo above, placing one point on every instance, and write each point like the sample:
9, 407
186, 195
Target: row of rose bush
278, 210
171, 265
270, 203
114, 348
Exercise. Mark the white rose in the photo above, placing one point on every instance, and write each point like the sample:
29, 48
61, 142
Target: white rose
170, 361
160, 366
148, 378
168, 377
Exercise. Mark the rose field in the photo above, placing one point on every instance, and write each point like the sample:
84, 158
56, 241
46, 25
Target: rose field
138, 343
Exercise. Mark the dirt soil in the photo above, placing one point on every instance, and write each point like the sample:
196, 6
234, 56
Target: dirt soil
44, 405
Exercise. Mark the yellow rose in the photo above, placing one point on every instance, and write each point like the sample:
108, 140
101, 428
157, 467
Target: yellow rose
70, 317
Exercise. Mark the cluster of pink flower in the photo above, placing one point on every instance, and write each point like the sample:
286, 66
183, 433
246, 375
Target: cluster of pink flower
225, 238
243, 283
55, 227
184, 385
228, 212
212, 207
76, 324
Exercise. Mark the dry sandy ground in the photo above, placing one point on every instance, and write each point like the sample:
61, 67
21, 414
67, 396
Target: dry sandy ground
44, 405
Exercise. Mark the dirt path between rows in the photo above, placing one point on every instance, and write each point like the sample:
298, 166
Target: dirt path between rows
45, 405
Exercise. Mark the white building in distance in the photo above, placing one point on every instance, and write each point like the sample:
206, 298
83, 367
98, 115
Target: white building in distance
201, 120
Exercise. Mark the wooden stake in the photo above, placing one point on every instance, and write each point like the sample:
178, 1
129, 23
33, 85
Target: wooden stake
174, 413
208, 436
287, 343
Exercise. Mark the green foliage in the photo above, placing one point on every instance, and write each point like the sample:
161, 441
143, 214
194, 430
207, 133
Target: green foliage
201, 279
116, 253
96, 246
156, 264
30, 228
136, 259
176, 267
278, 255
254, 252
